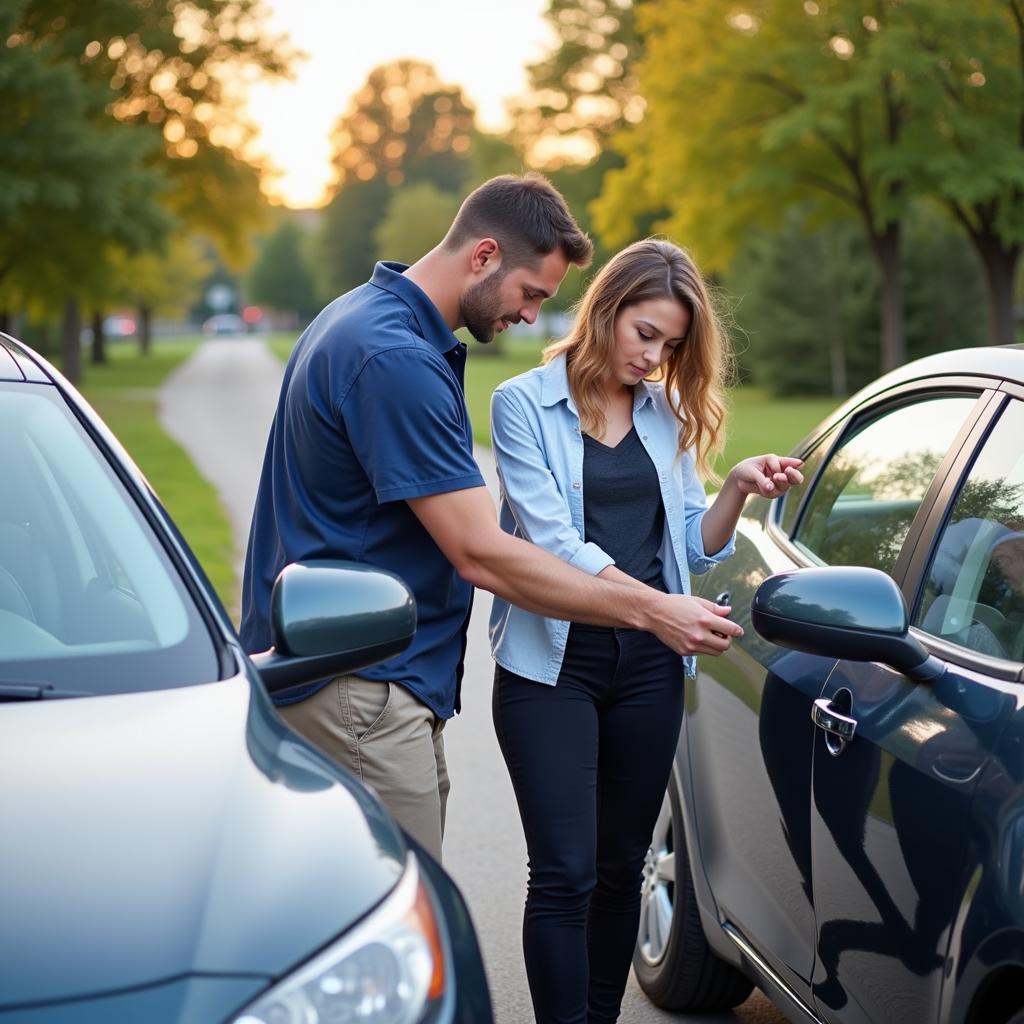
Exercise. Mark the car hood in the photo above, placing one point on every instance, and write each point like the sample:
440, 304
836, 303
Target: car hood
150, 836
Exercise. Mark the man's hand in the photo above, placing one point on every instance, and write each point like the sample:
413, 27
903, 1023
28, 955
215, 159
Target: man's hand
767, 475
694, 625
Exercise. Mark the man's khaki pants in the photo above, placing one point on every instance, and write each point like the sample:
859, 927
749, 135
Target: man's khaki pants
387, 738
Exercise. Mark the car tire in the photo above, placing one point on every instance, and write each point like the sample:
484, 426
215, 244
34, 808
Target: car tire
674, 964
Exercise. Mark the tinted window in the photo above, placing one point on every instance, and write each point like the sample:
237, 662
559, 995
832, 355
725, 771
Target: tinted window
791, 499
89, 600
974, 592
867, 496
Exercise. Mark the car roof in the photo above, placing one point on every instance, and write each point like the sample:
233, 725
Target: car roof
18, 362
1004, 362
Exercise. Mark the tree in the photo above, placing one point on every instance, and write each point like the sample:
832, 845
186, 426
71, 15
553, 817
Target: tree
972, 154
403, 127
160, 282
806, 301
418, 217
281, 277
73, 182
581, 93
345, 246
752, 109
120, 122
170, 65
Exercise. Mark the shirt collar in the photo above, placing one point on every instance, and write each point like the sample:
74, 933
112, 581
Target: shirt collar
391, 277
555, 387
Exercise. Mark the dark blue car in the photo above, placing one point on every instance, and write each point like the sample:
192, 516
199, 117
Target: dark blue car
845, 823
169, 850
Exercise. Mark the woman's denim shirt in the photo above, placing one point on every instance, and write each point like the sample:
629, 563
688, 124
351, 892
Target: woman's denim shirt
538, 445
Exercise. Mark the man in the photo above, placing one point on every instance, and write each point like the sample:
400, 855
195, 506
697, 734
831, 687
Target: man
370, 459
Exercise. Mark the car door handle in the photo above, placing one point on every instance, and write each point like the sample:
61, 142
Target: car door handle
825, 716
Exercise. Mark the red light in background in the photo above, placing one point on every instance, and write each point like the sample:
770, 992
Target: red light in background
252, 314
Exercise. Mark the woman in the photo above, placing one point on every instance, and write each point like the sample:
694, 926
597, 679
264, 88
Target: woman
599, 451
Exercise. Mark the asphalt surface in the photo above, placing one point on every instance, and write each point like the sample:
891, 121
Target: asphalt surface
219, 405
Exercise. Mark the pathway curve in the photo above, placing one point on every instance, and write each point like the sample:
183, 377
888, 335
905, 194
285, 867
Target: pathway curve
219, 405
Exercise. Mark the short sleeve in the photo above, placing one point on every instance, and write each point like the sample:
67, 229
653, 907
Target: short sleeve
406, 420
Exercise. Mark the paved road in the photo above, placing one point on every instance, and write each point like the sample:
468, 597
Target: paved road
219, 405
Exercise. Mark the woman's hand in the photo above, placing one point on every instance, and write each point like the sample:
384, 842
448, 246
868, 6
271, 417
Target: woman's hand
767, 475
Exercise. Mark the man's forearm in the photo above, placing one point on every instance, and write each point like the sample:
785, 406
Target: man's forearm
526, 575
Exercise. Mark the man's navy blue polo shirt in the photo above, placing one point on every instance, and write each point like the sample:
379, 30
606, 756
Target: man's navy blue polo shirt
371, 413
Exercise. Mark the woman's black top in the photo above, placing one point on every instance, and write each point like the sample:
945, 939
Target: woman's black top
622, 510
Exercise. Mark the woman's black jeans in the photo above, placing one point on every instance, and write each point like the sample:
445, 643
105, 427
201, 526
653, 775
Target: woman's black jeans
589, 760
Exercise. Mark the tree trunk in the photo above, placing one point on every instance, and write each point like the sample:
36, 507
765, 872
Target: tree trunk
99, 340
832, 328
44, 343
145, 329
1000, 264
894, 335
71, 342
5, 321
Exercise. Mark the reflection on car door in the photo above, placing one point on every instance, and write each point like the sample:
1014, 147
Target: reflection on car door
889, 833
892, 821
748, 717
750, 737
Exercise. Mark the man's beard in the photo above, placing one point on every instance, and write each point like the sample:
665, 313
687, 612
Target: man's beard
480, 307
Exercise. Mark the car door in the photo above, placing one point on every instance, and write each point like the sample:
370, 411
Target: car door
891, 815
748, 714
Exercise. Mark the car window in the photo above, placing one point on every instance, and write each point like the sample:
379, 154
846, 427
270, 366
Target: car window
89, 600
974, 591
791, 499
867, 496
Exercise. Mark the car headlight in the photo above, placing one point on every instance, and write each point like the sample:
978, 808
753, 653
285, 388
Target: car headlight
390, 969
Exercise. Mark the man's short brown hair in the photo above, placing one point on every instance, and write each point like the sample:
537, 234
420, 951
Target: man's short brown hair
526, 216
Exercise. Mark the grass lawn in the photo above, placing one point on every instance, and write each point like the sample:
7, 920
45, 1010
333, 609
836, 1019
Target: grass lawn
123, 392
282, 344
757, 424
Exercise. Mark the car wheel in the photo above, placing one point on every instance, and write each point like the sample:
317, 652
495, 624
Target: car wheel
673, 963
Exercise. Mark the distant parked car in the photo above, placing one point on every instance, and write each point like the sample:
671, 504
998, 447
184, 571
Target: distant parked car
224, 323
119, 326
171, 851
845, 822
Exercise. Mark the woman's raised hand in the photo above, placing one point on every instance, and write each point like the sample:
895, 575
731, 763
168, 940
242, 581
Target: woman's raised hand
767, 475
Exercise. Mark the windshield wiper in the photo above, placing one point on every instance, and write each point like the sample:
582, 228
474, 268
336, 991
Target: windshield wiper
36, 691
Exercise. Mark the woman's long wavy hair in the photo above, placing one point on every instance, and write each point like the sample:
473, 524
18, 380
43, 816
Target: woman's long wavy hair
697, 374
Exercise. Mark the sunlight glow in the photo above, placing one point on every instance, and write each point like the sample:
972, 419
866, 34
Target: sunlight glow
481, 45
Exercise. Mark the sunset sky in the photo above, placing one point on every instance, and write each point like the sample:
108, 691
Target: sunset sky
482, 45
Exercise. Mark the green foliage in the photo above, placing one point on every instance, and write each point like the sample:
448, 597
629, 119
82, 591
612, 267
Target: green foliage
807, 302
586, 87
404, 127
281, 276
72, 180
345, 244
417, 218
167, 65
118, 126
167, 281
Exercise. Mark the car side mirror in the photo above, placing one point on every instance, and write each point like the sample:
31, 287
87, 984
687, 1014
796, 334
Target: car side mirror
848, 612
328, 618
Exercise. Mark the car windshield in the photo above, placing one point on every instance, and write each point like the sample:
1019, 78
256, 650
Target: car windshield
89, 600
